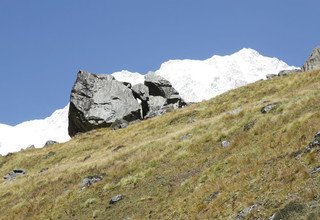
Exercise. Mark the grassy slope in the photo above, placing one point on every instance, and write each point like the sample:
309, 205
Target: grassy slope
162, 177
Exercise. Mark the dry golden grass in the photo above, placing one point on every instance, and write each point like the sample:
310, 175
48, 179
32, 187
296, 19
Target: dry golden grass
164, 177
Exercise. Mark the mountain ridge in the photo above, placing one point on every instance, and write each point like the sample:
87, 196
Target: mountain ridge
195, 80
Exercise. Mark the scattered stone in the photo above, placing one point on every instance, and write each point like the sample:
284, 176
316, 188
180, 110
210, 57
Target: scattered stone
43, 170
186, 137
269, 107
87, 157
116, 199
118, 148
313, 61
315, 170
288, 72
271, 76
212, 196
14, 173
49, 143
245, 212
118, 124
88, 181
315, 144
225, 143
249, 125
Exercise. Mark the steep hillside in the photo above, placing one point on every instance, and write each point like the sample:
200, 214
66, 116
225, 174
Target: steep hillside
174, 167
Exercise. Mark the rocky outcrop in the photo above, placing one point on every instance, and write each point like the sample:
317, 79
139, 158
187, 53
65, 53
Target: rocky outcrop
313, 62
98, 100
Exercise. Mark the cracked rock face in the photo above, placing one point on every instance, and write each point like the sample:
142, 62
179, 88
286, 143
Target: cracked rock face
313, 62
99, 100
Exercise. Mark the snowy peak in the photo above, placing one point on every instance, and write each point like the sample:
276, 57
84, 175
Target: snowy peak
35, 132
203, 79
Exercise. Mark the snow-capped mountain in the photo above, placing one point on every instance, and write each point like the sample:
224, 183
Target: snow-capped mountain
35, 132
195, 80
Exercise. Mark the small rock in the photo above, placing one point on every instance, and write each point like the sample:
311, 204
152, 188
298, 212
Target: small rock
269, 107
245, 212
116, 199
249, 125
88, 181
186, 137
87, 157
315, 170
14, 173
288, 72
225, 143
43, 170
315, 144
119, 123
50, 142
212, 196
271, 76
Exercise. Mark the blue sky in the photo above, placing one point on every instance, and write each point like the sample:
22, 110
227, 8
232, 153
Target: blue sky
44, 43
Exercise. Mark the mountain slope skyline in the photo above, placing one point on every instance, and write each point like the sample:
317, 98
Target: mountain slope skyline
217, 74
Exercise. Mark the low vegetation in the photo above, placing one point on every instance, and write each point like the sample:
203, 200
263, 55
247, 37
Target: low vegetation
174, 167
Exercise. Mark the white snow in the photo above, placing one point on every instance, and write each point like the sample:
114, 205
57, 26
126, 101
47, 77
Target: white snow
195, 80
35, 132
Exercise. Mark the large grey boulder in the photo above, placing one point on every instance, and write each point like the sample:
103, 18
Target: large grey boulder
98, 100
313, 62
141, 92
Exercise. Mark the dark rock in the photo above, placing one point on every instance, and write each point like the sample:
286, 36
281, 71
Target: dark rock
288, 72
116, 199
249, 125
43, 170
119, 123
14, 173
271, 76
313, 61
269, 107
87, 157
88, 181
212, 196
245, 212
225, 143
50, 142
315, 144
186, 137
97, 101
315, 170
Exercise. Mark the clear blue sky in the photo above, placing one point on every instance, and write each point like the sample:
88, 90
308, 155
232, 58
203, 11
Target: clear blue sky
44, 43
